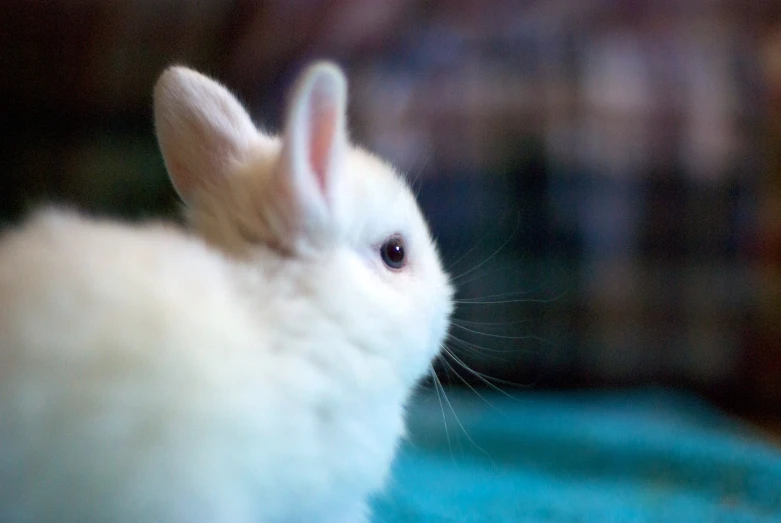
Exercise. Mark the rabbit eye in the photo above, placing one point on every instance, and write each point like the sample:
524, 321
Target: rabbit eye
392, 252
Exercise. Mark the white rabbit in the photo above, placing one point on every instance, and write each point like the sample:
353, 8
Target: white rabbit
252, 370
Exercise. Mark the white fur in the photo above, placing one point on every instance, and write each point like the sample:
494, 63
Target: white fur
252, 370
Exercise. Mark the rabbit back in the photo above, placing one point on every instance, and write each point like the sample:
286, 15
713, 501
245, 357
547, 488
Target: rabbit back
138, 382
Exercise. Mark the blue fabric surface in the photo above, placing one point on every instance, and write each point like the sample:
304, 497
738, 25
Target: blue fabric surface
593, 457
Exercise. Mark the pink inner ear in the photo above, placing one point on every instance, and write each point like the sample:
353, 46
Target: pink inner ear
322, 133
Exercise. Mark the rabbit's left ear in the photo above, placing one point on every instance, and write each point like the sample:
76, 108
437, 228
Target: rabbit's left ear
203, 131
309, 176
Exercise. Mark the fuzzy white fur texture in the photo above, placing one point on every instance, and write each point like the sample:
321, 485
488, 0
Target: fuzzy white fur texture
252, 367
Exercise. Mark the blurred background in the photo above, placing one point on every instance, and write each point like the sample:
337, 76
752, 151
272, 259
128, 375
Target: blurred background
603, 176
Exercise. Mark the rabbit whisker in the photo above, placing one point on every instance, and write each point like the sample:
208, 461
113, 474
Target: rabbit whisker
501, 336
437, 386
493, 254
487, 380
461, 425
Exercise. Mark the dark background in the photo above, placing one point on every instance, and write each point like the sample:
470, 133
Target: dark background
604, 177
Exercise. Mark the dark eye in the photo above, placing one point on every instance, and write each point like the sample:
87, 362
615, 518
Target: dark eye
392, 252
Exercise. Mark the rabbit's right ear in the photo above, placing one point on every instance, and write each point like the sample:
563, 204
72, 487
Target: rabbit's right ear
308, 180
201, 128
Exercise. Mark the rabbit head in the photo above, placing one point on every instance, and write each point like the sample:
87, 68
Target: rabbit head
339, 222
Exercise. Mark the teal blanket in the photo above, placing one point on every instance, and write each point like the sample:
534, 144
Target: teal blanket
602, 457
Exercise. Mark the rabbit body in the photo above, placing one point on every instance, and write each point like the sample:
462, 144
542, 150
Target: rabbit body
251, 369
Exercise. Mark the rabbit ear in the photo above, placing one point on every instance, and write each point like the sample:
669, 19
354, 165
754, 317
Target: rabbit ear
201, 129
314, 146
